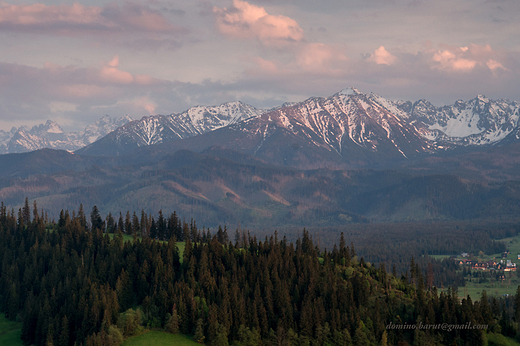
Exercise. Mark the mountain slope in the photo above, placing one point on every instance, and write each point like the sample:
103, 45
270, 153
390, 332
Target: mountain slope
215, 189
346, 130
480, 121
50, 135
160, 128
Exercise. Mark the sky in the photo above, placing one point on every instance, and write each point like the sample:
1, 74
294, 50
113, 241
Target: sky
75, 62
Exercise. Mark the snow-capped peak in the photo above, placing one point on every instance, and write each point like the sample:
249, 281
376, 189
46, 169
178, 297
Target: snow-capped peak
482, 98
350, 91
52, 127
51, 135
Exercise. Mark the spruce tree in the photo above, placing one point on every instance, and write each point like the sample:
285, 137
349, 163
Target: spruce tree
199, 331
96, 220
517, 305
172, 324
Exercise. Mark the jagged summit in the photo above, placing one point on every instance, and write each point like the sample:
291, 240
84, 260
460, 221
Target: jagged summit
163, 128
350, 91
51, 135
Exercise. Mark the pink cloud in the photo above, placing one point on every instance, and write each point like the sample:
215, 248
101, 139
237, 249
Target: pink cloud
80, 91
71, 19
321, 57
144, 103
244, 20
55, 83
38, 14
309, 59
138, 17
111, 74
465, 59
266, 65
494, 65
382, 57
28, 92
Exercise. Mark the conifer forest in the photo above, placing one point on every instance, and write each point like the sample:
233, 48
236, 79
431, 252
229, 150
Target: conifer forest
78, 282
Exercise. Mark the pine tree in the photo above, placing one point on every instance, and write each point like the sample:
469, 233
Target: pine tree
199, 331
153, 230
384, 339
221, 338
517, 305
96, 220
172, 324
128, 223
64, 335
485, 309
360, 337
82, 218
161, 227
110, 223
35, 211
26, 212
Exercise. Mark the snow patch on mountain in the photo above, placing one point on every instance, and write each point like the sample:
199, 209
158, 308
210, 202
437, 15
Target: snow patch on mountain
51, 135
477, 122
158, 129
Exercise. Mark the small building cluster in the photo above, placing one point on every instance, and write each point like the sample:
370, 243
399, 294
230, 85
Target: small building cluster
503, 265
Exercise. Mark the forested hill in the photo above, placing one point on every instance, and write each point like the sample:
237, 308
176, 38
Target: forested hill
72, 284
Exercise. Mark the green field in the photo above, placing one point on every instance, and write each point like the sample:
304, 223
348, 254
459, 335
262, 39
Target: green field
10, 332
513, 245
492, 289
158, 338
500, 340
180, 245
439, 257
497, 289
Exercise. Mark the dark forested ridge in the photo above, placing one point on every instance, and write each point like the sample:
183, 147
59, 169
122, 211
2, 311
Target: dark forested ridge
70, 283
225, 187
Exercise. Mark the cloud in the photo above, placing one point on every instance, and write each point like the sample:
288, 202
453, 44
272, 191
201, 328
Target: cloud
465, 59
319, 70
494, 65
448, 60
76, 18
320, 57
244, 20
30, 94
382, 57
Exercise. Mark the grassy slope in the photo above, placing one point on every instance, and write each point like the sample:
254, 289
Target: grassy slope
500, 340
180, 245
10, 332
158, 338
507, 286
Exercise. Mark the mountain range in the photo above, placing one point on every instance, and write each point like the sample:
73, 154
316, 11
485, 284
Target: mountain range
51, 135
348, 129
325, 161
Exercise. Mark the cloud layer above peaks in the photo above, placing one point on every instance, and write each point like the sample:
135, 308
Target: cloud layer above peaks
77, 61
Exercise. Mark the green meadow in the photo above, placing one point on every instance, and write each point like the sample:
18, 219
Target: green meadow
158, 338
180, 245
474, 286
10, 332
500, 340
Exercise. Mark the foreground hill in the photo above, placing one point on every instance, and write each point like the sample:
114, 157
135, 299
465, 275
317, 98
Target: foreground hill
77, 285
